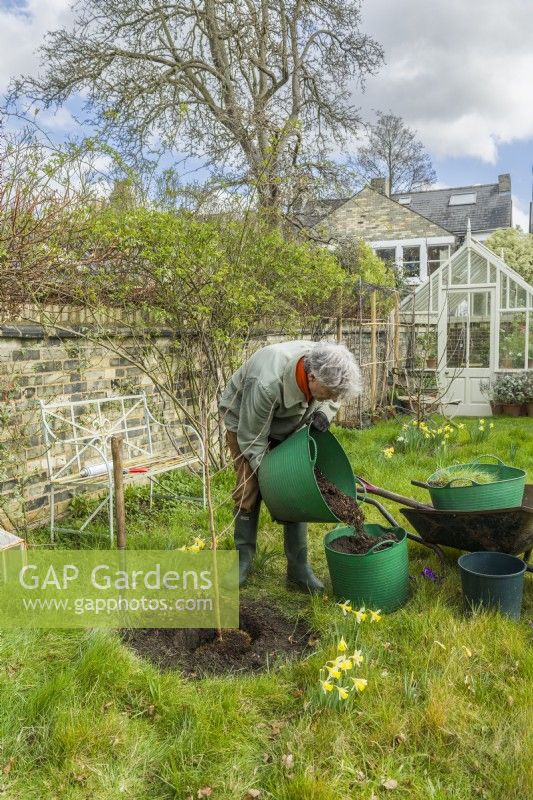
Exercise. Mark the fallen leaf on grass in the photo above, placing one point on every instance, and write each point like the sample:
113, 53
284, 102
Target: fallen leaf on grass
400, 738
287, 761
510, 700
267, 758
252, 794
312, 641
298, 693
205, 791
8, 766
276, 725
390, 784
467, 650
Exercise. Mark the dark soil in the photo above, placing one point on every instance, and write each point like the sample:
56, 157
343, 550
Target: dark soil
358, 544
264, 635
343, 506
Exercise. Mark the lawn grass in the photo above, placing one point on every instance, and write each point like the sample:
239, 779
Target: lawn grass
447, 711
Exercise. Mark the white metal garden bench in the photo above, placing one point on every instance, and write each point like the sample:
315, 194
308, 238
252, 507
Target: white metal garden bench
78, 433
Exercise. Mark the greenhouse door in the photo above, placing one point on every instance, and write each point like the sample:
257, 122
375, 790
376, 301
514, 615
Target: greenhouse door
466, 348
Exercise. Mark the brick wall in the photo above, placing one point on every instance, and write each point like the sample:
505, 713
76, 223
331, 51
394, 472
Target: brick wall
35, 367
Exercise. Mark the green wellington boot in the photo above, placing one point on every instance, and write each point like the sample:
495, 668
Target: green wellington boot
299, 570
245, 538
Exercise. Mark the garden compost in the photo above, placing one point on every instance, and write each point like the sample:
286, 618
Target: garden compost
360, 544
343, 506
264, 635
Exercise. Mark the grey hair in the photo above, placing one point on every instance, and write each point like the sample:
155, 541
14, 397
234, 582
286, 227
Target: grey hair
335, 368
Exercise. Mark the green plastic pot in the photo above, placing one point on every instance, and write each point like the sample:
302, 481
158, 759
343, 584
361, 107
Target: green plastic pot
378, 579
492, 580
506, 491
287, 479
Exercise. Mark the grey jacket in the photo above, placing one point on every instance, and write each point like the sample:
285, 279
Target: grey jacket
262, 399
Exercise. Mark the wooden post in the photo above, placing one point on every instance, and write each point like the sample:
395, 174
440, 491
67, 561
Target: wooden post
397, 331
373, 351
118, 481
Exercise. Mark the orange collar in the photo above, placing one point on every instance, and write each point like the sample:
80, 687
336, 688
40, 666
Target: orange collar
302, 380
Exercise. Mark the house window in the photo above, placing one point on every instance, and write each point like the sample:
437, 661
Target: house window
387, 255
404, 201
437, 256
411, 262
466, 199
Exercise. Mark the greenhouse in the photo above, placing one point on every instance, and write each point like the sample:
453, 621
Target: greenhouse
474, 317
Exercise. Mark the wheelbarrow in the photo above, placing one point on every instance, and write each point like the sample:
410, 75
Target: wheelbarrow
506, 530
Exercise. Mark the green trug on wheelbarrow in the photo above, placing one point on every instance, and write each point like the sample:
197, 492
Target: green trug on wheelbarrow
287, 479
378, 579
505, 491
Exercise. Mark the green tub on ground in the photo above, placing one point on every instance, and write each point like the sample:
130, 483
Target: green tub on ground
378, 579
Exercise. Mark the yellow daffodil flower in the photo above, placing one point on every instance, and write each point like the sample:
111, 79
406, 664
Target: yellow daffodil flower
359, 684
357, 658
345, 665
343, 692
345, 607
342, 646
481, 421
461, 426
333, 672
375, 616
327, 686
360, 615
491, 424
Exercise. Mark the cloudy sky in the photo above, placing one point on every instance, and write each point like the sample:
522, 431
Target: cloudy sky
458, 71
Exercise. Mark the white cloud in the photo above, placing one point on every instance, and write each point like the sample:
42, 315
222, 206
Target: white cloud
458, 72
520, 214
60, 120
22, 28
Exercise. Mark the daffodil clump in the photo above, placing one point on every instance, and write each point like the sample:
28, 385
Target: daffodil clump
420, 435
481, 431
197, 545
336, 682
360, 614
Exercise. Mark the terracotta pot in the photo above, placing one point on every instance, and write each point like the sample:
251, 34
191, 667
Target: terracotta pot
530, 363
496, 409
431, 362
529, 408
507, 363
512, 409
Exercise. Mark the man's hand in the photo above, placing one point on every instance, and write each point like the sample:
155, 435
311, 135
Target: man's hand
319, 421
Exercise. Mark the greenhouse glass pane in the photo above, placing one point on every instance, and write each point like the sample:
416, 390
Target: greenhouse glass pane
521, 298
492, 273
422, 299
512, 340
445, 276
457, 326
478, 269
435, 293
479, 338
503, 292
460, 270
530, 342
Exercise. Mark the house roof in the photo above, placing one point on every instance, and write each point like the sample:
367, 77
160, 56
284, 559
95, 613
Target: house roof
491, 210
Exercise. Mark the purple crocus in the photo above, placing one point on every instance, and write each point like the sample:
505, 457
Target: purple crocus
428, 573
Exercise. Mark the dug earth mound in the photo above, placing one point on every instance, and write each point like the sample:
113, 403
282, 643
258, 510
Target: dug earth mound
264, 635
